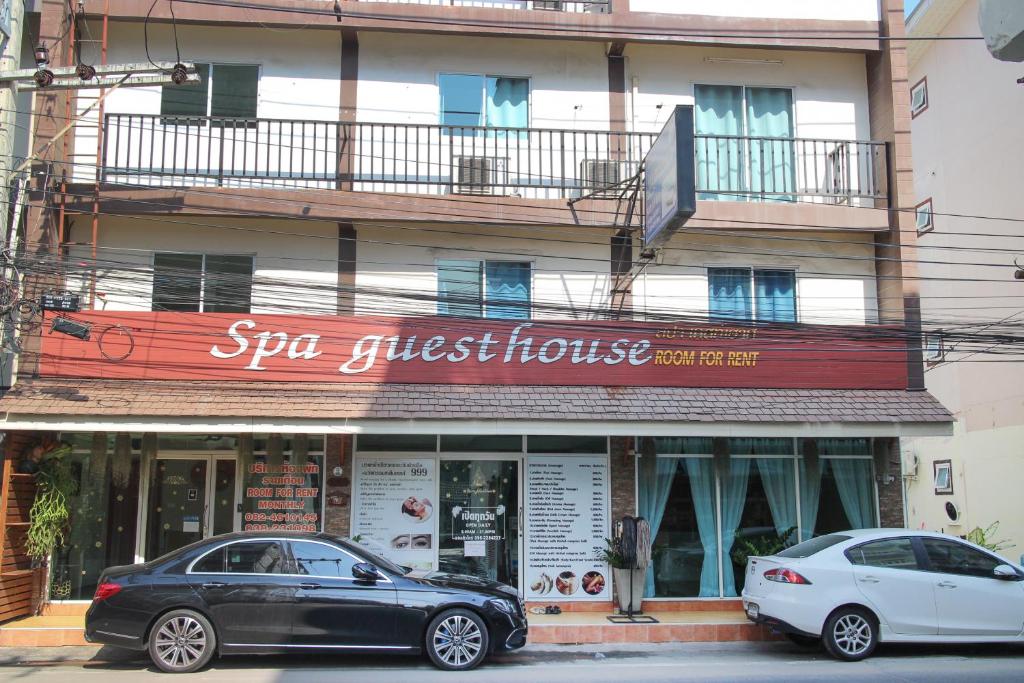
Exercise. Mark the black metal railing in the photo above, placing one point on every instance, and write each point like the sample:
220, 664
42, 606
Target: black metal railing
594, 6
150, 149
789, 169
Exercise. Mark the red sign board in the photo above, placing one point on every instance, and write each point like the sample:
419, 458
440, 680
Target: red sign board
297, 348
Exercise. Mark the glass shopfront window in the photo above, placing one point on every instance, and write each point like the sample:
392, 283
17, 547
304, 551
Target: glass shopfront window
103, 513
708, 513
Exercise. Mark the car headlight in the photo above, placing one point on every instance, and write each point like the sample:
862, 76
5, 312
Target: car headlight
503, 605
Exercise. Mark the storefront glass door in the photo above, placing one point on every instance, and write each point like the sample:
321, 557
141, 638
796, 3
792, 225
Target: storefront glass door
189, 498
479, 530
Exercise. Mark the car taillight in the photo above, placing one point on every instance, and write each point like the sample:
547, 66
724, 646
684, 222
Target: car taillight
785, 576
106, 590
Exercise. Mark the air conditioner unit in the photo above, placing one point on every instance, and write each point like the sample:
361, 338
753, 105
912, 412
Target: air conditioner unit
480, 175
600, 177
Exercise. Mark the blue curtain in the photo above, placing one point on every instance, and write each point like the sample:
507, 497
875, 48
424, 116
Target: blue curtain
655, 482
856, 490
734, 497
458, 288
810, 496
729, 293
778, 479
776, 295
718, 113
508, 290
702, 488
507, 102
770, 115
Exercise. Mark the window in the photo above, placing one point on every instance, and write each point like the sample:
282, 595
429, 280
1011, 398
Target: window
752, 294
488, 101
919, 98
890, 553
813, 546
317, 559
256, 557
201, 283
950, 557
943, 471
744, 142
484, 289
923, 216
224, 90
934, 349
212, 563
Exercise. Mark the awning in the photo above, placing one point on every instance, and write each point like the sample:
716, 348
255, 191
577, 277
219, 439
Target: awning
242, 407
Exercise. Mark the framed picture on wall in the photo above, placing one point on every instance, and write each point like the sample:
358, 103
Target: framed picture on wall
943, 470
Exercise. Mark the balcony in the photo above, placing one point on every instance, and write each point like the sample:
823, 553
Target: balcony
165, 151
591, 6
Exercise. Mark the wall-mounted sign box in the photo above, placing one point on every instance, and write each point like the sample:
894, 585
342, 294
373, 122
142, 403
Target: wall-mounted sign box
67, 302
670, 186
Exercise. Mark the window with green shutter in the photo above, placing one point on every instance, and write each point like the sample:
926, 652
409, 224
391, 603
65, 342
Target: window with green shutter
224, 90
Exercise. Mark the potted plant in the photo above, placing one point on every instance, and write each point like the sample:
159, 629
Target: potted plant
611, 555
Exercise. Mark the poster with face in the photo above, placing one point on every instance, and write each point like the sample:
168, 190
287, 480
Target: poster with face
566, 523
394, 508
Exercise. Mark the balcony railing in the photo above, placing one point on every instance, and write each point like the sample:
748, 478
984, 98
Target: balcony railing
595, 6
155, 150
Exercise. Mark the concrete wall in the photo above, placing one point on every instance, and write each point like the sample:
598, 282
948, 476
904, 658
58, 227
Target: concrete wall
295, 261
863, 10
967, 150
829, 290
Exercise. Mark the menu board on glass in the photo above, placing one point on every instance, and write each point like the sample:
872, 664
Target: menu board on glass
566, 524
394, 510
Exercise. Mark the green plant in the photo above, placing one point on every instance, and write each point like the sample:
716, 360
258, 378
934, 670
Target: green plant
761, 546
611, 555
48, 518
985, 538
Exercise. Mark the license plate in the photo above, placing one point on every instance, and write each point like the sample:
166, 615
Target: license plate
753, 611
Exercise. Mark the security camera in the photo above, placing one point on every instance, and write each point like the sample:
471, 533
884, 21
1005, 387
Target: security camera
1018, 274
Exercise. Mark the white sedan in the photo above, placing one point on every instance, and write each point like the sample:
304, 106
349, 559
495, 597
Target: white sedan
854, 589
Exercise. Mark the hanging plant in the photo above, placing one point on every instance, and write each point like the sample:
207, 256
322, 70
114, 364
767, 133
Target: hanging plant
48, 518
98, 462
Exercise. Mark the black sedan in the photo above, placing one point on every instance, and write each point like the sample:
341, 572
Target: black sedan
271, 592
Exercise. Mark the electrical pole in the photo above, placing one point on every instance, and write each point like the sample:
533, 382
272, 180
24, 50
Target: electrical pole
9, 61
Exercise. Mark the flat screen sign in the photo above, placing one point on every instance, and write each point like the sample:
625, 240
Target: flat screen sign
670, 189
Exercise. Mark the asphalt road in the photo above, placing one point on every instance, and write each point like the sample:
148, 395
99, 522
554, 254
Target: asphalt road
780, 662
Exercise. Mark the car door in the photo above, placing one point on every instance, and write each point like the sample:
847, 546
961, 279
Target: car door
333, 609
970, 600
249, 590
888, 574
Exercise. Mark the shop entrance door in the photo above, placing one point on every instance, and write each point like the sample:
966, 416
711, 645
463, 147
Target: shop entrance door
480, 513
190, 497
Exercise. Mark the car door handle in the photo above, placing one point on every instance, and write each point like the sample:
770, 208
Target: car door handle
868, 579
945, 584
214, 584
309, 586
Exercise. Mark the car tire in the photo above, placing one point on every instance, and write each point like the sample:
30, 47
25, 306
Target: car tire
181, 642
850, 634
457, 640
802, 640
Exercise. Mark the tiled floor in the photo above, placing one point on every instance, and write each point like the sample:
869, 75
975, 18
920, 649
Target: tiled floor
45, 631
672, 626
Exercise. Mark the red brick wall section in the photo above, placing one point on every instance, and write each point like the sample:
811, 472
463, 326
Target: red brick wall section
890, 484
338, 490
623, 477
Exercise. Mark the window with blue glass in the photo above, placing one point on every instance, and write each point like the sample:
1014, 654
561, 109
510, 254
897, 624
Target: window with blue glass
469, 100
484, 289
762, 295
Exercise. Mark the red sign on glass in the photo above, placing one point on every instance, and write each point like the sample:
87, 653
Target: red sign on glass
296, 348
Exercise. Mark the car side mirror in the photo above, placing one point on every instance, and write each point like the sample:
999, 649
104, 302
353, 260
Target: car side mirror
364, 571
1006, 573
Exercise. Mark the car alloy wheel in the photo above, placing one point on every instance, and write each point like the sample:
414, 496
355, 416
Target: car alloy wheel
457, 640
181, 642
850, 634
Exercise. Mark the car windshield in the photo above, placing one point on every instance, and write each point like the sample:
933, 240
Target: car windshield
814, 545
382, 563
